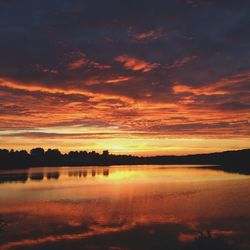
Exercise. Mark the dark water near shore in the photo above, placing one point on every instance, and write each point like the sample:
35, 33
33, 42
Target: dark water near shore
139, 207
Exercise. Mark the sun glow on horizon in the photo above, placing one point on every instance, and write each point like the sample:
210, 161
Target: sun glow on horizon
125, 86
134, 145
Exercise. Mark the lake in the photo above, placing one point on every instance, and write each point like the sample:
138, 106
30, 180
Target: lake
124, 207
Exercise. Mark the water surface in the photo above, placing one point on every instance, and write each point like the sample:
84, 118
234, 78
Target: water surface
139, 207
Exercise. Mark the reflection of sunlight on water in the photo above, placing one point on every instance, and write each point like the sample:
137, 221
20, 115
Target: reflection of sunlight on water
70, 176
76, 203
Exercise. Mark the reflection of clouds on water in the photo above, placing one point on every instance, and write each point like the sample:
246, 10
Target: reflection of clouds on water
206, 240
82, 201
127, 235
125, 211
2, 225
130, 225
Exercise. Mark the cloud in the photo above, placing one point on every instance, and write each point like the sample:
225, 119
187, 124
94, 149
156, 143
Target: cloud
43, 69
178, 63
11, 109
234, 106
199, 128
135, 64
227, 85
119, 79
147, 36
78, 63
81, 60
37, 135
97, 65
110, 80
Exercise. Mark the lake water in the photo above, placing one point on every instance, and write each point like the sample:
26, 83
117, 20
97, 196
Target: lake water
123, 207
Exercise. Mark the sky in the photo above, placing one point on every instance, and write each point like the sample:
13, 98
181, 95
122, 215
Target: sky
134, 77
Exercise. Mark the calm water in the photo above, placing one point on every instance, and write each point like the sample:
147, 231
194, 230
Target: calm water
140, 207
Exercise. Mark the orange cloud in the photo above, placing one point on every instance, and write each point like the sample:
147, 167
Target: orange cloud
181, 88
119, 79
224, 86
56, 90
136, 64
103, 116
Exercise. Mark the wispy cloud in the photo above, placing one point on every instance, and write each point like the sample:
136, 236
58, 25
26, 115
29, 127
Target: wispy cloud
178, 63
119, 79
226, 85
146, 36
40, 68
80, 60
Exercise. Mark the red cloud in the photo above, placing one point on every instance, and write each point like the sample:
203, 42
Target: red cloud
181, 62
82, 60
147, 36
226, 85
136, 64
78, 63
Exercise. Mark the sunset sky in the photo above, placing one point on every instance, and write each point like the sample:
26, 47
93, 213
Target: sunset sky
135, 77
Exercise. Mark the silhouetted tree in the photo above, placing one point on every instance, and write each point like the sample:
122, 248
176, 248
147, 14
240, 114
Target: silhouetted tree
37, 156
53, 157
37, 152
232, 161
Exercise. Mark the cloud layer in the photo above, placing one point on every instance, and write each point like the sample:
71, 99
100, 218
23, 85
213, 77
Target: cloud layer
162, 70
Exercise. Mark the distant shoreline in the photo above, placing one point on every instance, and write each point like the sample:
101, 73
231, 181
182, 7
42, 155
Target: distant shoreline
238, 160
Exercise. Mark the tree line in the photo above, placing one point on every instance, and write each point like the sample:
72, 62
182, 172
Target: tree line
38, 157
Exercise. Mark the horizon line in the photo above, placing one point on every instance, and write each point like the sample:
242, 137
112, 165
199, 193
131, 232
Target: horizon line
114, 154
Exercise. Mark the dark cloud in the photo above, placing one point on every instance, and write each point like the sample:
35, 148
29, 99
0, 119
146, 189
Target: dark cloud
43, 33
204, 128
234, 106
136, 65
